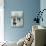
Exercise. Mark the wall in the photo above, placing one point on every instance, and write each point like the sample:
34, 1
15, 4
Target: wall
29, 7
42, 6
1, 21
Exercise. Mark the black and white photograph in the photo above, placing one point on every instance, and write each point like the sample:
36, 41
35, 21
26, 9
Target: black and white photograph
17, 18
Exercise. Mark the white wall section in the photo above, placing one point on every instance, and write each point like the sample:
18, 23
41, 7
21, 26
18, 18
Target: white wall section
1, 20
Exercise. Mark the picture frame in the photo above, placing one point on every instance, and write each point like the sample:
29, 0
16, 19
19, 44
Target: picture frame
17, 19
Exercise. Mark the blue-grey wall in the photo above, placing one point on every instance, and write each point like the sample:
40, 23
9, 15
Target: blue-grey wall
29, 7
43, 6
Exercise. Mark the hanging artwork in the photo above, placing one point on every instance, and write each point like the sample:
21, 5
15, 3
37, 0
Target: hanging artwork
17, 18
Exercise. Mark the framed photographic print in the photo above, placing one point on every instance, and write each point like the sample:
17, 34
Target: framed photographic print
17, 18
